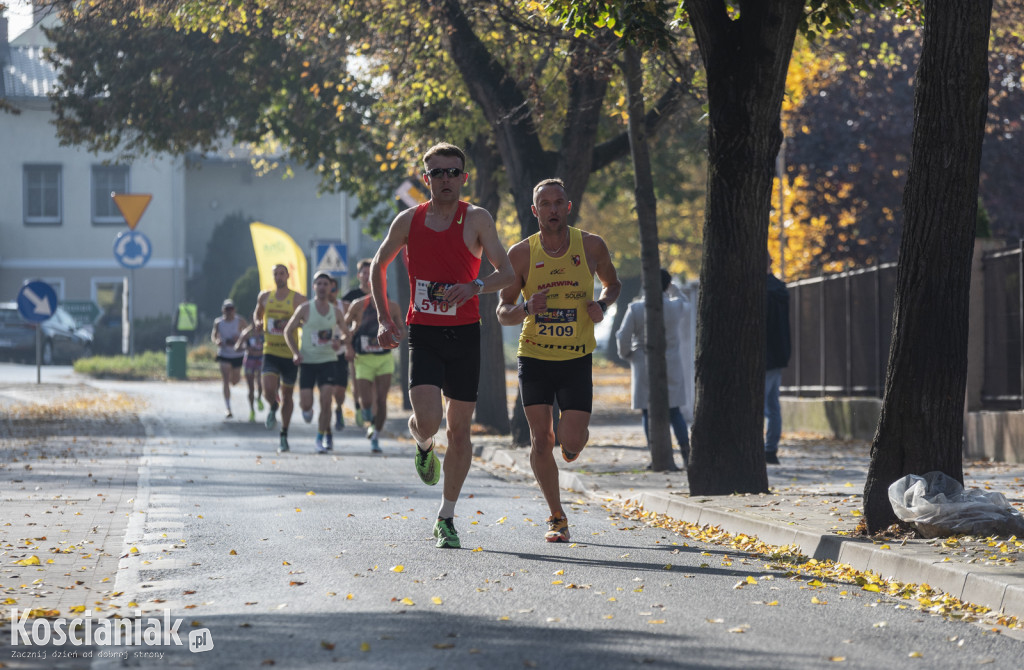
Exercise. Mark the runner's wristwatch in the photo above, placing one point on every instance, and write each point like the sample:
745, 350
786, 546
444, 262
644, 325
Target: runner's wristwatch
479, 285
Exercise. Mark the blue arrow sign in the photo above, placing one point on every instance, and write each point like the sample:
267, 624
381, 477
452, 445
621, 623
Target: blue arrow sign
132, 249
36, 301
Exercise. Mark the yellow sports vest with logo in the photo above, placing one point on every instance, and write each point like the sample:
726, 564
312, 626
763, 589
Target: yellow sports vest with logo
275, 318
564, 331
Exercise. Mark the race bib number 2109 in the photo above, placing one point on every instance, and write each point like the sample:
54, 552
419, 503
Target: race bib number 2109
429, 298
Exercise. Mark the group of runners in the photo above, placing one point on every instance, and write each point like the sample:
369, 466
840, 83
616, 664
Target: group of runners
334, 335
544, 282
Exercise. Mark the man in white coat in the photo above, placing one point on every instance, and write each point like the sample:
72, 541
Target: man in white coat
630, 342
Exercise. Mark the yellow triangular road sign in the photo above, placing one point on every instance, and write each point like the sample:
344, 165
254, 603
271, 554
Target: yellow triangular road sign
131, 205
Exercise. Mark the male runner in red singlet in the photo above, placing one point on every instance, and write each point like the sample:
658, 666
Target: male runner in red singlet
445, 240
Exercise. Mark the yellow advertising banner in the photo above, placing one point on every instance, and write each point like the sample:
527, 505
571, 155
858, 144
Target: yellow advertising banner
273, 247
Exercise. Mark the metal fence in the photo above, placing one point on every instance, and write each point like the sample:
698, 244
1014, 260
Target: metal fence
840, 326
1004, 322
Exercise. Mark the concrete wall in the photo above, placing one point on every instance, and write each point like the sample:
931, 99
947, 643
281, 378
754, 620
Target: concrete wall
995, 436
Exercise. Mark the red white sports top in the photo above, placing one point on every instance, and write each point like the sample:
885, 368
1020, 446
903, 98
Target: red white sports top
438, 259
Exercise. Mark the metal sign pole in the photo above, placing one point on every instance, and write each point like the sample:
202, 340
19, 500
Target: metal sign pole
39, 353
131, 313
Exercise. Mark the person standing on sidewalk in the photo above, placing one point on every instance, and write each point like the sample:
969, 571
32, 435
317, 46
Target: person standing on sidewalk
273, 309
445, 239
776, 358
374, 364
631, 343
317, 355
226, 329
250, 342
554, 271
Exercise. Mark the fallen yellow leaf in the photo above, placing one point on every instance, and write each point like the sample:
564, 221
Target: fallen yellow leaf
398, 568
436, 600
407, 601
232, 553
31, 560
365, 646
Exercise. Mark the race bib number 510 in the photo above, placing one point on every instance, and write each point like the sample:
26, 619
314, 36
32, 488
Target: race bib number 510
429, 298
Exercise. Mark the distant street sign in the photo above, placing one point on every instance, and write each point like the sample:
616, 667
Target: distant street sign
36, 301
331, 257
132, 249
84, 312
131, 206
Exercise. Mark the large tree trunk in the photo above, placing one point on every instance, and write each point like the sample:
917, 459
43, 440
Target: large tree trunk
920, 428
654, 314
492, 400
746, 59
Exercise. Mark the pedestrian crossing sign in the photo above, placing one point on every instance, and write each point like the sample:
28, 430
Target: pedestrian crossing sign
332, 258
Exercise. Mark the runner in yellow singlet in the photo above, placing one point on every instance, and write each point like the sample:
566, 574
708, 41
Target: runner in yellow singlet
554, 272
273, 309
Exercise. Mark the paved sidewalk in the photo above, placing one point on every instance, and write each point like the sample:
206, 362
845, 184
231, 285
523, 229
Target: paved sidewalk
815, 504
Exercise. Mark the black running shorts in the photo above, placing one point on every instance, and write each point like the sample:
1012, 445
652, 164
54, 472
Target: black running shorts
571, 381
318, 374
446, 356
281, 367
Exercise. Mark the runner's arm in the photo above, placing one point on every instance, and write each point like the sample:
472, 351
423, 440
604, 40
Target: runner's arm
510, 312
294, 323
397, 237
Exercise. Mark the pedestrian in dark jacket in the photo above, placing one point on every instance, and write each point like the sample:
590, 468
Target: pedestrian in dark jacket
777, 357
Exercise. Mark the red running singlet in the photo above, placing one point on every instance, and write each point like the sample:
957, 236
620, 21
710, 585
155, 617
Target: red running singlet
438, 259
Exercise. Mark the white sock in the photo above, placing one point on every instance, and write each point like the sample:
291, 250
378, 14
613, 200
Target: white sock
447, 510
423, 446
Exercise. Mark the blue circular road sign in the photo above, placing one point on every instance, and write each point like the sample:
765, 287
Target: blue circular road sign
37, 301
132, 249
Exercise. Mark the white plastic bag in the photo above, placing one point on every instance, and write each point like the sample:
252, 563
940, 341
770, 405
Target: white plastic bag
938, 505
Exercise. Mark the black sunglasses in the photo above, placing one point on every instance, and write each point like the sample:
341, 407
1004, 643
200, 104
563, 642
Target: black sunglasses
448, 172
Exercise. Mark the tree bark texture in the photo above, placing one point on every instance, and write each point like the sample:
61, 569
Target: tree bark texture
647, 220
920, 428
492, 398
746, 58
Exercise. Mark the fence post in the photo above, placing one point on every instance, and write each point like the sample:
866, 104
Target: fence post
878, 332
821, 334
849, 333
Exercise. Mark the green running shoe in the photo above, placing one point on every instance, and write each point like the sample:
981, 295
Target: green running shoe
428, 466
283, 446
271, 418
444, 531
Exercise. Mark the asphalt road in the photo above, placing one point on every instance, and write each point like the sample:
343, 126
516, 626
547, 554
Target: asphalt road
305, 560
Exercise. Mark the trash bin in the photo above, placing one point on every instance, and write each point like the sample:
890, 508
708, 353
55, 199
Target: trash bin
177, 361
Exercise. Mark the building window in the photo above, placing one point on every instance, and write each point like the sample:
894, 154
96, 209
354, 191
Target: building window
42, 195
106, 180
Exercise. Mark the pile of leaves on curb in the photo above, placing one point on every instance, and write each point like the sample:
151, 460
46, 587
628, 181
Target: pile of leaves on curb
796, 565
